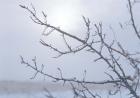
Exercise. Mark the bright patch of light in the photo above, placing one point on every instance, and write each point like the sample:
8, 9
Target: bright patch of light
64, 16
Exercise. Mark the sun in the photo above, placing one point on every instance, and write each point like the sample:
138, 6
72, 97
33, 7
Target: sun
64, 16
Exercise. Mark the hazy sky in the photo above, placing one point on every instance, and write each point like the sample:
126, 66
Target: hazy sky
20, 36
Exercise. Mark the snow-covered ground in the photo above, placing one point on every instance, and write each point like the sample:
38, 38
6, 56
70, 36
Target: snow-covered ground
36, 95
67, 94
13, 89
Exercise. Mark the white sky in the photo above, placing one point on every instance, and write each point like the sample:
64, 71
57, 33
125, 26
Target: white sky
20, 36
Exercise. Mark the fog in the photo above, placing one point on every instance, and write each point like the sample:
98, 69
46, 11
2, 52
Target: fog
20, 36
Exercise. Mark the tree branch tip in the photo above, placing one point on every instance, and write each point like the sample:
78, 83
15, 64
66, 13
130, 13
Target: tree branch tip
22, 6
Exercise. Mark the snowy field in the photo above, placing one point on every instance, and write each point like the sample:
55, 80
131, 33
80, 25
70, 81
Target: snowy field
12, 89
36, 95
56, 95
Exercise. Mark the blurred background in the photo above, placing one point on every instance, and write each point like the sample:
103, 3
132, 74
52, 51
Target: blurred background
19, 35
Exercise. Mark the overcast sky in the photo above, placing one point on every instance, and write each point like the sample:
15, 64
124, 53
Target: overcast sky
20, 36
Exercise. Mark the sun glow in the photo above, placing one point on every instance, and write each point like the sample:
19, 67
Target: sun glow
65, 16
